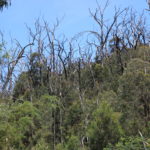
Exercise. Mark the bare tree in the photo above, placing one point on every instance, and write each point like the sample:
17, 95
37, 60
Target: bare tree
9, 62
104, 31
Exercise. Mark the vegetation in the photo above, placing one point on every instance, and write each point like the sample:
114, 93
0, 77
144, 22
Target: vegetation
4, 3
72, 97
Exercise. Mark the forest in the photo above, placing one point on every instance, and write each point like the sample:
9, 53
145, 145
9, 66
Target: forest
90, 92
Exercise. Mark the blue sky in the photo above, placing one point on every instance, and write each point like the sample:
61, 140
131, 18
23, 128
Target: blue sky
75, 14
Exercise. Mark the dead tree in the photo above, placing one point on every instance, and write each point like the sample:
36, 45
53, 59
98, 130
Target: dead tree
105, 29
11, 67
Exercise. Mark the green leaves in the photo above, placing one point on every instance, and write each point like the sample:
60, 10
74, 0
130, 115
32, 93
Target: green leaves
17, 126
130, 143
116, 106
73, 143
133, 94
104, 127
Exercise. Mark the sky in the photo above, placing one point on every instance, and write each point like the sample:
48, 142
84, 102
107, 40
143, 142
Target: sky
74, 15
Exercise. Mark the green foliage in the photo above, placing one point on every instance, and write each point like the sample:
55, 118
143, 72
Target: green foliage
104, 109
41, 145
77, 97
110, 97
142, 52
22, 87
101, 73
60, 147
73, 118
18, 128
130, 143
73, 143
138, 65
134, 100
104, 127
